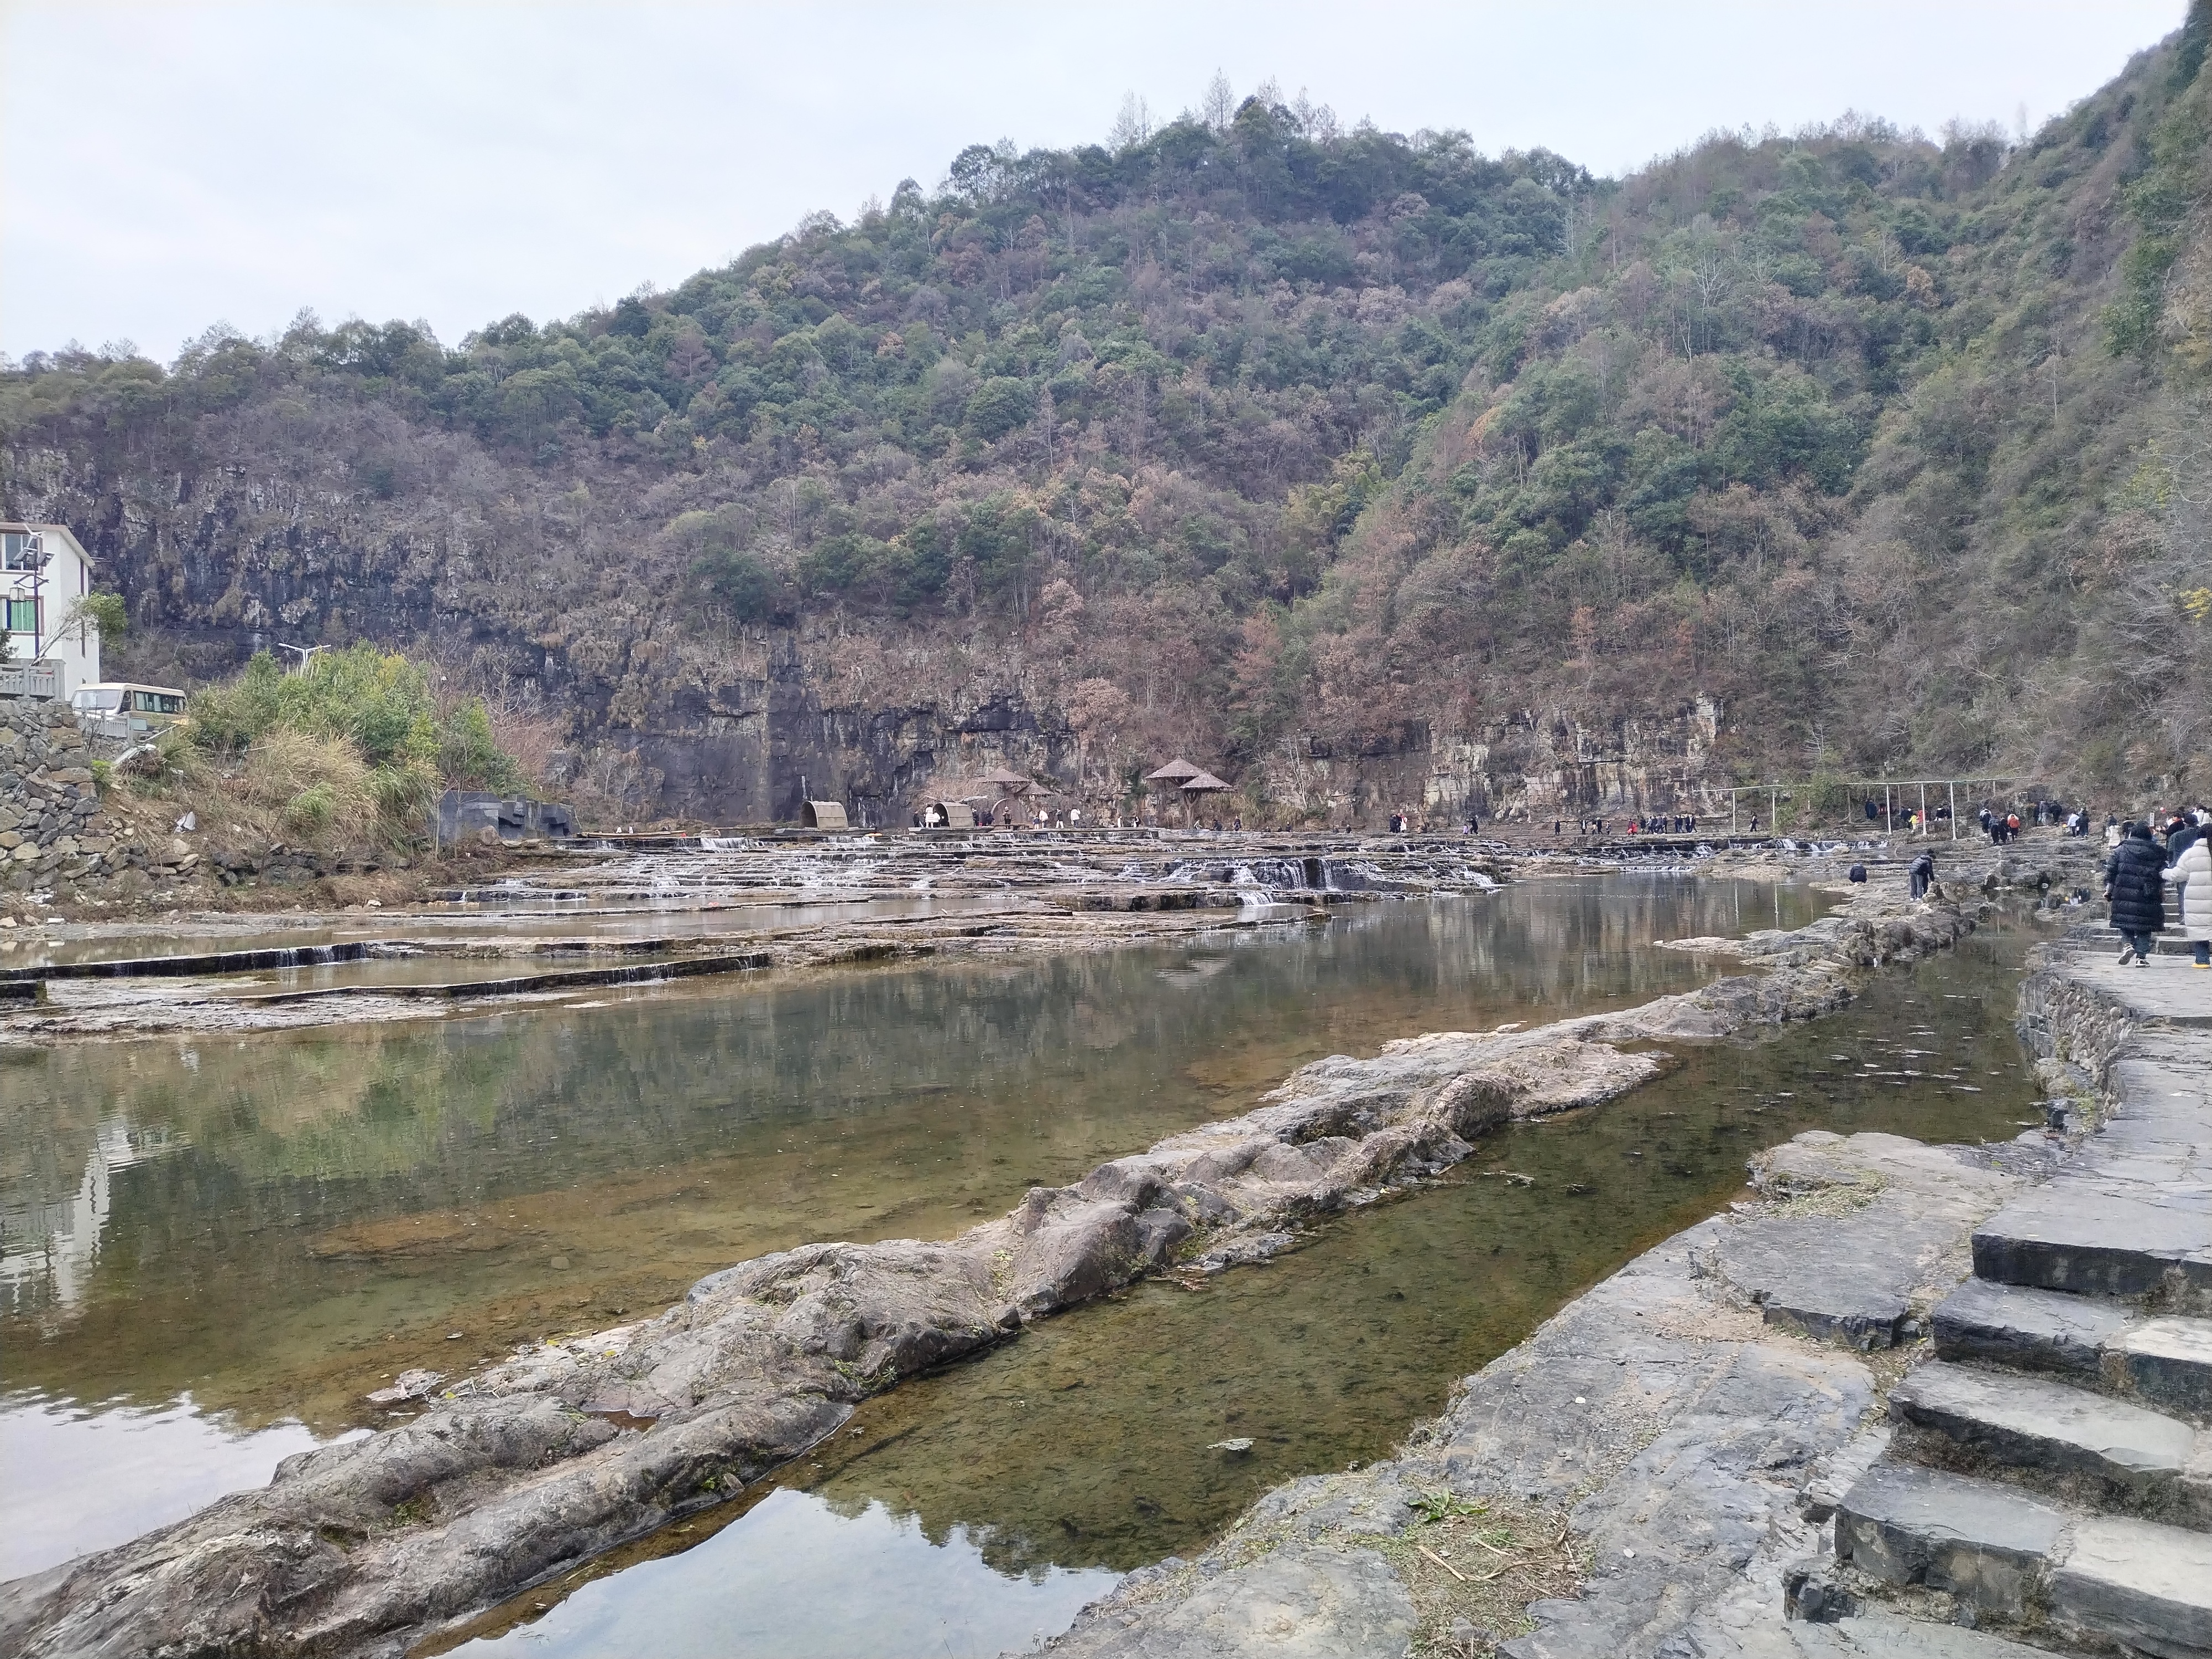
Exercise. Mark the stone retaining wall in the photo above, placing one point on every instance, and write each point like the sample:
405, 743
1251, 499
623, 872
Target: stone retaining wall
51, 821
2074, 1031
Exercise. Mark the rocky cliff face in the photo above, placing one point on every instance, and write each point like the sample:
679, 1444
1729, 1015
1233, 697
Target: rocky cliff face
1537, 765
543, 601
749, 749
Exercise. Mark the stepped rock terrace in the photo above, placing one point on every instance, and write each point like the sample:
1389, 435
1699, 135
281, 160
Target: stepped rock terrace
593, 921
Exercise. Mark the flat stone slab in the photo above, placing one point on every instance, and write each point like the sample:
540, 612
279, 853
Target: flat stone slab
2032, 1330
1852, 1271
1886, 1635
1873, 1634
2147, 1586
2140, 1456
2165, 988
1984, 1542
2165, 1103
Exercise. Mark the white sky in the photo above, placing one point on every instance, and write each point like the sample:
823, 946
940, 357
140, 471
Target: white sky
166, 166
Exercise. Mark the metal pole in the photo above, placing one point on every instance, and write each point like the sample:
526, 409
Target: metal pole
1924, 809
1889, 810
1954, 809
1773, 811
1732, 811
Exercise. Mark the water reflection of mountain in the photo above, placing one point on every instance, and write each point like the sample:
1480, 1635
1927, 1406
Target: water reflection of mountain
357, 1181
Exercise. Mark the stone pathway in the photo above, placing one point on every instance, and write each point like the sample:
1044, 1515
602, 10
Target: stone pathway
2050, 1471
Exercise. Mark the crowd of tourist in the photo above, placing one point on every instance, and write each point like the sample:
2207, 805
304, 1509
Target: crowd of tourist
2146, 860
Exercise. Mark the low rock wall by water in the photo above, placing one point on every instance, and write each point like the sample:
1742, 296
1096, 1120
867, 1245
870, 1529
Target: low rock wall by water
519, 1472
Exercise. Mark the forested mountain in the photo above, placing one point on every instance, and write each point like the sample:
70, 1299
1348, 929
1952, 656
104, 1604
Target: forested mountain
1366, 468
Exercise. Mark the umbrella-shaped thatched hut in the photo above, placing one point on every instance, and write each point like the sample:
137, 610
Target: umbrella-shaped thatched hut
1175, 772
1204, 783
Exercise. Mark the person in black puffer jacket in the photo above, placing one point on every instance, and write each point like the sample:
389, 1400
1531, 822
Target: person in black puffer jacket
2135, 882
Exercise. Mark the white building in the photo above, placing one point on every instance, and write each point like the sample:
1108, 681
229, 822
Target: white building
43, 572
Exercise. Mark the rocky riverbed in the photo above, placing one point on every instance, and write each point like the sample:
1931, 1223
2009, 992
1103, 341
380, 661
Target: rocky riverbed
591, 918
570, 1447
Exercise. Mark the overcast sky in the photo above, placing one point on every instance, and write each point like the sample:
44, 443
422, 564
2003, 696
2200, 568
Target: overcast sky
164, 167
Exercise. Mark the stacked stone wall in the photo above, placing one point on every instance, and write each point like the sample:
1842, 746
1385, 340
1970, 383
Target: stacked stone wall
51, 822
54, 828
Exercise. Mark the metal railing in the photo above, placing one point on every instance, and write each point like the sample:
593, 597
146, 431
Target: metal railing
1889, 793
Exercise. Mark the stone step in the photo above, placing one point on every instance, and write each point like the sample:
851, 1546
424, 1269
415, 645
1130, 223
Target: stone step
2104, 1237
2145, 1586
2109, 1453
2014, 1558
2031, 1329
1985, 1543
2164, 1362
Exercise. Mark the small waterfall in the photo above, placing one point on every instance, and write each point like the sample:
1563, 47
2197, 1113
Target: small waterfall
1256, 904
510, 892
213, 962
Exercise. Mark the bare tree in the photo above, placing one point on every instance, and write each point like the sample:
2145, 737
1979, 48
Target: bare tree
1133, 126
1316, 121
1218, 105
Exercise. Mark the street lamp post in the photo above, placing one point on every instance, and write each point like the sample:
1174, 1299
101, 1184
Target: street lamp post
34, 563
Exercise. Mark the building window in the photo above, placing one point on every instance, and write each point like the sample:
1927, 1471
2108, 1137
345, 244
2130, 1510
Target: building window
15, 550
23, 616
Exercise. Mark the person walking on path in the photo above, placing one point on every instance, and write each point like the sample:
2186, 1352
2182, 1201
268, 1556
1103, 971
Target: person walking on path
2135, 882
2190, 876
2180, 835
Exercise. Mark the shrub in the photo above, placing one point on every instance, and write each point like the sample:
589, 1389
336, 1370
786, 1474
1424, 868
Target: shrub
311, 811
355, 745
315, 784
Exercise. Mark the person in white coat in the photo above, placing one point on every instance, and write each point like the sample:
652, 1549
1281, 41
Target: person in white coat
2191, 877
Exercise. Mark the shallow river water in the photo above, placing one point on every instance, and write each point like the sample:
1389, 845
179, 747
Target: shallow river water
273, 1224
1081, 1450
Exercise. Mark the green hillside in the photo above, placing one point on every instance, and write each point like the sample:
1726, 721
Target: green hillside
1262, 437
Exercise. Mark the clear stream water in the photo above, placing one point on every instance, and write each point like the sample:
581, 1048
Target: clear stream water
270, 1226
